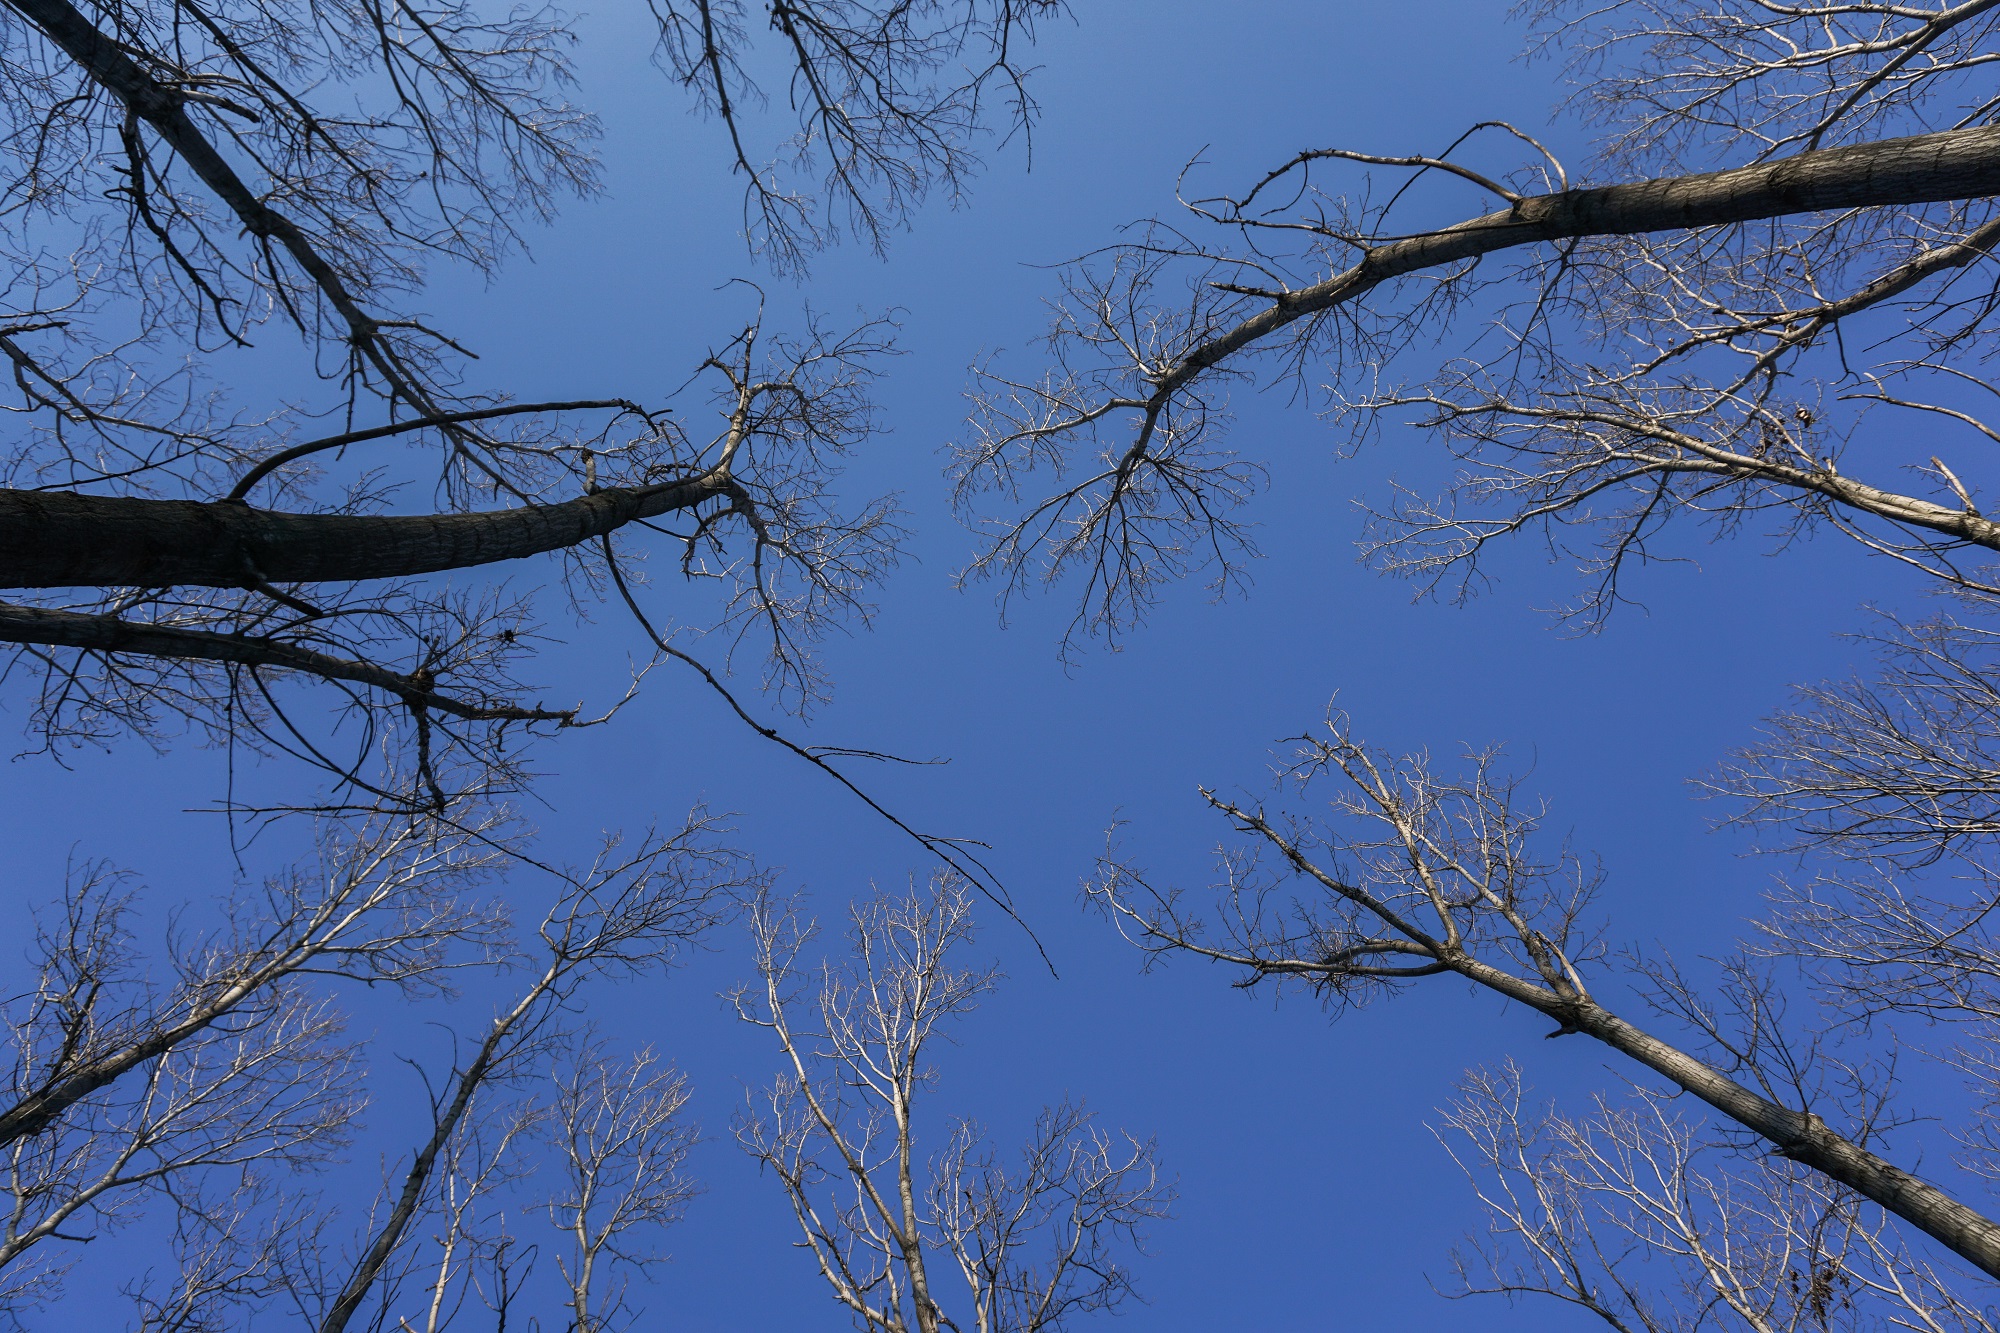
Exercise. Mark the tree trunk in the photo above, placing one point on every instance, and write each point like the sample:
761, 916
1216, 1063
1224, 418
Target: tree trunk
1799, 1135
60, 539
1923, 169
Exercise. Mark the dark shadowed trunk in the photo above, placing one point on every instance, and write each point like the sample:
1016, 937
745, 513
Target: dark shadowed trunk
59, 539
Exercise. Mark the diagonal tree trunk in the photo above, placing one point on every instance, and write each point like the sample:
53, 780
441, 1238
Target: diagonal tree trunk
1922, 169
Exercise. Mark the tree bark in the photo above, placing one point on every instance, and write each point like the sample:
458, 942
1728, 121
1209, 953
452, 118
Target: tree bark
60, 539
1799, 1135
1922, 169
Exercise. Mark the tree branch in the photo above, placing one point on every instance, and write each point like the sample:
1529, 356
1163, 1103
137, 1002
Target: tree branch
111, 634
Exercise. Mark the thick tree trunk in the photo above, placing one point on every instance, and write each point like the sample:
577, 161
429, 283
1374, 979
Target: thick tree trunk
59, 539
1799, 1135
1806, 1139
1923, 169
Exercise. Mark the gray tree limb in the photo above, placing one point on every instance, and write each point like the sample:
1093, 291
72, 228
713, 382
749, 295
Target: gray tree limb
1800, 1135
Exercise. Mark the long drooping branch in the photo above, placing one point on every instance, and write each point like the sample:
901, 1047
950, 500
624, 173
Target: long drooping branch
113, 634
60, 539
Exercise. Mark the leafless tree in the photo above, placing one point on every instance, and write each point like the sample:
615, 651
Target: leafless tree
621, 1142
613, 1136
275, 1093
392, 906
212, 1096
1034, 1246
179, 178
1415, 874
1769, 288
119, 1087
228, 1257
182, 178
1780, 187
482, 1158
629, 912
1638, 1216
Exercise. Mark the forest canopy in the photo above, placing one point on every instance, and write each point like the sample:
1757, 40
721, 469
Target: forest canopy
518, 753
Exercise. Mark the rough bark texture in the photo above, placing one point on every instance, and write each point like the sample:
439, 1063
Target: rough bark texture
60, 539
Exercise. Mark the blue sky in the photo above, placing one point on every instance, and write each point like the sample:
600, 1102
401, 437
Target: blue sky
1312, 1192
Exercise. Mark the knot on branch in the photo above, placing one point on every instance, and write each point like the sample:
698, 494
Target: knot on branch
1807, 1139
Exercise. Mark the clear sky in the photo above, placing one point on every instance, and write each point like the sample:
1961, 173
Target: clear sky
1313, 1193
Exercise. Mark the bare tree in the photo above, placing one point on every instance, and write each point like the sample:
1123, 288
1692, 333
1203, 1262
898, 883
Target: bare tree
180, 177
1780, 187
390, 906
118, 1091
621, 1142
614, 1137
1769, 289
480, 1160
229, 1256
611, 1134
274, 1093
1418, 876
627, 913
1034, 1246
1640, 1217
212, 1097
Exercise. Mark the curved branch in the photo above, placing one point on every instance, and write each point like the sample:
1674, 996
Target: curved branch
110, 634
1922, 169
298, 451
